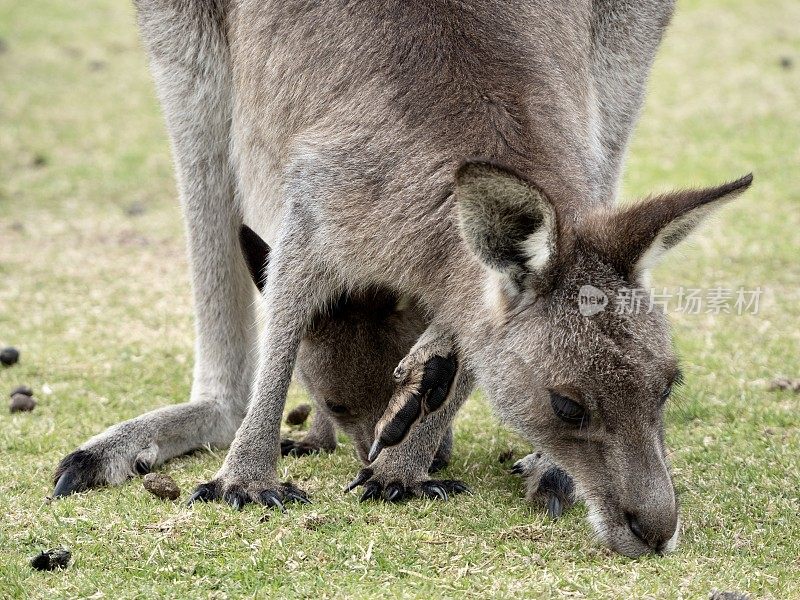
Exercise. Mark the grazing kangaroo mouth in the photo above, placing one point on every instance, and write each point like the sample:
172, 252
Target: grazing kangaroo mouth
624, 532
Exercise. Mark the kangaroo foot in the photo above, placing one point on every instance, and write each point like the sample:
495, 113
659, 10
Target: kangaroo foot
546, 484
397, 489
82, 470
137, 446
238, 495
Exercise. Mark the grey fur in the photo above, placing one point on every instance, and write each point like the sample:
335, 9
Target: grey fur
347, 122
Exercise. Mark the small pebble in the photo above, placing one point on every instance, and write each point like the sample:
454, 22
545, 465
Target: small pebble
786, 62
162, 486
9, 356
22, 389
299, 414
21, 403
57, 558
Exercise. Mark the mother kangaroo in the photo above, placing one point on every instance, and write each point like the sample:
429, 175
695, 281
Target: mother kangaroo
463, 154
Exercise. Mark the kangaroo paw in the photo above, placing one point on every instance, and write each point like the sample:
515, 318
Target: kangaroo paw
546, 484
102, 464
238, 495
137, 446
377, 487
425, 390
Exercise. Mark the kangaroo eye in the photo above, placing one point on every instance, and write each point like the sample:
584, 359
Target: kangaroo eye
568, 410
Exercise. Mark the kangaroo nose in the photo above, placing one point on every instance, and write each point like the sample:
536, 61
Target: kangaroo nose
656, 537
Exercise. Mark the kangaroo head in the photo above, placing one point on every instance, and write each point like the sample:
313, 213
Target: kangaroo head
586, 382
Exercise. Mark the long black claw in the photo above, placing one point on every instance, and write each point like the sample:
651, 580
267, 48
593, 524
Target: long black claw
142, 467
271, 499
205, 492
294, 494
65, 485
395, 492
292, 497
554, 507
372, 491
457, 487
237, 498
433, 489
375, 450
434, 388
557, 490
398, 427
363, 475
518, 468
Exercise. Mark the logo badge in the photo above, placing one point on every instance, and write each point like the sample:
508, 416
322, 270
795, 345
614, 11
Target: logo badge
591, 300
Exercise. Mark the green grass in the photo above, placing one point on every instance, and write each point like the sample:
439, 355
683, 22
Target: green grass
98, 303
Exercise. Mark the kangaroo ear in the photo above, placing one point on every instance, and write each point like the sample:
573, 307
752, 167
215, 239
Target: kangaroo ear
507, 221
636, 238
256, 254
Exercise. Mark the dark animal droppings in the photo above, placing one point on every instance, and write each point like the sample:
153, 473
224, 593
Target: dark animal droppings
21, 403
298, 415
135, 209
9, 356
50, 560
161, 486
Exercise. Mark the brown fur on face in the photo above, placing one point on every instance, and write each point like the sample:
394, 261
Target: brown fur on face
615, 367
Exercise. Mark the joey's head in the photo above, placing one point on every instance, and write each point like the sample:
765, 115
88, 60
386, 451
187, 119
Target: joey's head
567, 352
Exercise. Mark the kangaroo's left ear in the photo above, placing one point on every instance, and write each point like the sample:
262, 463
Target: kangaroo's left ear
636, 238
508, 222
256, 254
